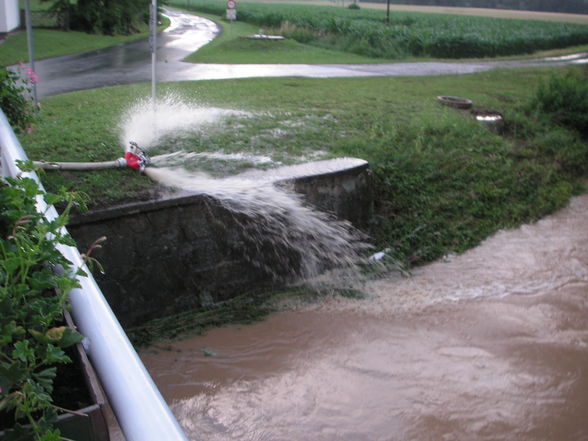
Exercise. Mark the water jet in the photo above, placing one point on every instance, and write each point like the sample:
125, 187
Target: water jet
220, 238
214, 238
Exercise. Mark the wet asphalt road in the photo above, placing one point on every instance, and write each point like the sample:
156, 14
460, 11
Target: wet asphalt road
131, 63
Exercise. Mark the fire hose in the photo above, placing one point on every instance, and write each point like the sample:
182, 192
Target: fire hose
135, 158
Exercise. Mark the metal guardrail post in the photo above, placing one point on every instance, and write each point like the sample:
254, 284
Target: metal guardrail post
139, 407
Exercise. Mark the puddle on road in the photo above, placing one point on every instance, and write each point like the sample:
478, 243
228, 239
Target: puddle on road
488, 345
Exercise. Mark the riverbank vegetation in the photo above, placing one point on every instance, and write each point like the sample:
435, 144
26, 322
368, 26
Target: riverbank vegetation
366, 32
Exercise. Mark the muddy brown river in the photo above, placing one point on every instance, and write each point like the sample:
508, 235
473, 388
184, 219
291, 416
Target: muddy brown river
488, 345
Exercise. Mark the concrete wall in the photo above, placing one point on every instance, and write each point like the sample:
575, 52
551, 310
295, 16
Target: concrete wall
167, 256
9, 16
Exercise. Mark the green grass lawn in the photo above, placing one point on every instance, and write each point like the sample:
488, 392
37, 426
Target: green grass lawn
232, 46
49, 43
52, 43
444, 181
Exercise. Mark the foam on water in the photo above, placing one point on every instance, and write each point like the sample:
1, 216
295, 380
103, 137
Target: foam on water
533, 259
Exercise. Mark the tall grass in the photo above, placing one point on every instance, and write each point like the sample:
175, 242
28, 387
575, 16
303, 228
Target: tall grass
366, 32
565, 99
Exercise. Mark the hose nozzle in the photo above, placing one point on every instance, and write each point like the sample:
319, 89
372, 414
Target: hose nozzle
136, 158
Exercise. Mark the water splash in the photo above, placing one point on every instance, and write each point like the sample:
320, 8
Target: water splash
172, 159
148, 125
278, 232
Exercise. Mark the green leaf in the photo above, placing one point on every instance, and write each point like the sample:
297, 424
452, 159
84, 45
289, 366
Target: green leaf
39, 336
70, 337
51, 435
55, 354
52, 199
9, 332
23, 352
10, 374
45, 378
6, 308
42, 280
48, 419
11, 264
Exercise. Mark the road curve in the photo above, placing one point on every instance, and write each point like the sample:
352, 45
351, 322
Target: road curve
131, 63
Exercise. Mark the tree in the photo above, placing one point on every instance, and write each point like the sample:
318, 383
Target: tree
61, 9
108, 17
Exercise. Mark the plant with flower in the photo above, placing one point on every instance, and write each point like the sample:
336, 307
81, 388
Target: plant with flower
33, 337
16, 99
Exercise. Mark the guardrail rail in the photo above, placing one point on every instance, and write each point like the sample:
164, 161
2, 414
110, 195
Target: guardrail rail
138, 405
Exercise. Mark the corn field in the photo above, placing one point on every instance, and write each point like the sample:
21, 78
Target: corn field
367, 32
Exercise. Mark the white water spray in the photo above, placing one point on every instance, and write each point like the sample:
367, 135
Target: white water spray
277, 232
146, 126
175, 158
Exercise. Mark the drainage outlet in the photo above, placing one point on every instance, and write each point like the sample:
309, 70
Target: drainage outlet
493, 121
454, 101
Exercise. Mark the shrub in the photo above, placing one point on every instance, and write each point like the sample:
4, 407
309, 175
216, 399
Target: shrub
15, 98
565, 99
109, 17
298, 33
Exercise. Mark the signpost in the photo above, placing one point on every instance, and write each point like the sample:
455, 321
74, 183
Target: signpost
231, 10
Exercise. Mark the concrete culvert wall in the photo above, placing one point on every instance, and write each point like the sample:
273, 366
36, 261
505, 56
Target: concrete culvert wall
187, 252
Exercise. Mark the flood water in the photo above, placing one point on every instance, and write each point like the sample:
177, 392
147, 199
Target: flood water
488, 345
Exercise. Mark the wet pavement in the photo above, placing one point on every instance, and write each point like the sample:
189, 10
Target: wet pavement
131, 63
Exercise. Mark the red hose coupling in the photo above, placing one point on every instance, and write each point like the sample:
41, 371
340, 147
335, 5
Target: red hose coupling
134, 161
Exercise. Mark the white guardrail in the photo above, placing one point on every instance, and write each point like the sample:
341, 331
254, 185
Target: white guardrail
140, 409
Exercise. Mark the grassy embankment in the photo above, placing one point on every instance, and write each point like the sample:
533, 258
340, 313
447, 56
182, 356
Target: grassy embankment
461, 181
444, 182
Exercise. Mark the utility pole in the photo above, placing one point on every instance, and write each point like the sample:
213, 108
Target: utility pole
153, 41
29, 26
